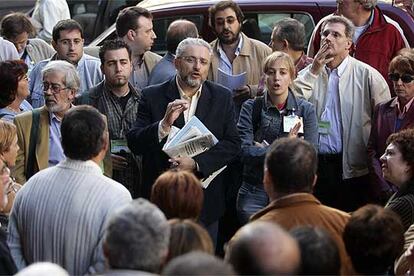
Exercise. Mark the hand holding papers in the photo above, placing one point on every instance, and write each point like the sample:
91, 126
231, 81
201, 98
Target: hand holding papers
194, 138
232, 82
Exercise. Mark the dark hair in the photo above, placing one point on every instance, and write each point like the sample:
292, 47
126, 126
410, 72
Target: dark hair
319, 252
178, 31
84, 132
197, 263
220, 6
293, 31
15, 24
404, 141
178, 194
110, 45
11, 72
66, 25
292, 164
128, 19
374, 238
187, 236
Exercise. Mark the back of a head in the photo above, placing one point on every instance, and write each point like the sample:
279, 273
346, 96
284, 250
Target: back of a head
84, 133
128, 19
15, 24
319, 252
263, 248
137, 237
43, 268
197, 263
187, 236
178, 31
374, 238
292, 164
178, 194
293, 31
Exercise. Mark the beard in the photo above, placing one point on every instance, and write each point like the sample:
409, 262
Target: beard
191, 82
228, 40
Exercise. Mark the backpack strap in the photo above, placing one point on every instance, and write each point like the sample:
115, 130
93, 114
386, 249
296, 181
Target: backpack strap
257, 112
34, 133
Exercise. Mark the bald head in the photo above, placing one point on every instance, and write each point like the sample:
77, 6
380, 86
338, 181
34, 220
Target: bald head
263, 248
178, 31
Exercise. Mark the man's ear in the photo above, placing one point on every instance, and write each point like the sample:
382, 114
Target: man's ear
268, 183
130, 35
54, 45
285, 45
315, 178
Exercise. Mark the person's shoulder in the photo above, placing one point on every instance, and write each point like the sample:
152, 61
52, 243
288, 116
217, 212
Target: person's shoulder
91, 59
152, 55
114, 188
216, 88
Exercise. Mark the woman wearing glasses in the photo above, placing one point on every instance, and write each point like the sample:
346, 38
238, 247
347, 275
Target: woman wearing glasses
14, 89
390, 117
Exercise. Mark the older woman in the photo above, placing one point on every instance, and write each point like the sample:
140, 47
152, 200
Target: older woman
390, 117
178, 194
265, 119
14, 89
398, 168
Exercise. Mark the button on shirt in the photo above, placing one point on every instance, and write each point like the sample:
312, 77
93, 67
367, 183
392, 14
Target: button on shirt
331, 143
139, 76
55, 146
224, 62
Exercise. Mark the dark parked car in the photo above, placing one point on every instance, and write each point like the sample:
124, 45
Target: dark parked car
9, 6
265, 13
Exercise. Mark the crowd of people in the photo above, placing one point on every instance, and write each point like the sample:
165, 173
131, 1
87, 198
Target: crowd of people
311, 171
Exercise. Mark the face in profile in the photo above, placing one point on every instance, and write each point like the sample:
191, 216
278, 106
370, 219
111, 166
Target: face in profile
394, 168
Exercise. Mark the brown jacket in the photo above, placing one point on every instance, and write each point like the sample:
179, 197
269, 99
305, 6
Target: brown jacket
250, 60
302, 209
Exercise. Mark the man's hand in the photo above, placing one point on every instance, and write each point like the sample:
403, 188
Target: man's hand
174, 109
320, 59
119, 163
183, 163
241, 94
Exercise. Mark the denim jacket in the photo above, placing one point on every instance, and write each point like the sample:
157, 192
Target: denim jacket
270, 129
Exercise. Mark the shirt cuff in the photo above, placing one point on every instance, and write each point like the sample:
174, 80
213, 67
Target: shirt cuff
161, 132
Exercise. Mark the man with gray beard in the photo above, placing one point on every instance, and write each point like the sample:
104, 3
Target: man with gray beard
174, 103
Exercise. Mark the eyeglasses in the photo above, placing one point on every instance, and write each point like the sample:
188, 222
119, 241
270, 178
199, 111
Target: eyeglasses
229, 20
55, 88
193, 60
405, 78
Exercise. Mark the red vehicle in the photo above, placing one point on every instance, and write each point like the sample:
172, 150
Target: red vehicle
265, 13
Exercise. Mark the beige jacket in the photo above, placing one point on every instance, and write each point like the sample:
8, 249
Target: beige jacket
250, 60
361, 88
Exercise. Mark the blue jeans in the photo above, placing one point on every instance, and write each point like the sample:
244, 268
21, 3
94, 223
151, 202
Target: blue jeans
250, 199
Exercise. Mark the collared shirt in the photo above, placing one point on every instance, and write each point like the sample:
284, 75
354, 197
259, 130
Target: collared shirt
402, 112
302, 62
140, 74
55, 146
187, 113
361, 29
224, 62
332, 142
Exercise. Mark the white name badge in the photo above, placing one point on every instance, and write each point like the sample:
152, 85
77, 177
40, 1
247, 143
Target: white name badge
290, 121
119, 145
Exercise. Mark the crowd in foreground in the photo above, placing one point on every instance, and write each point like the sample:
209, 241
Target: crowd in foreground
311, 171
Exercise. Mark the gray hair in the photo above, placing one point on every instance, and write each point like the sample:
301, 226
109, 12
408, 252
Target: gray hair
192, 42
349, 26
368, 4
137, 237
292, 30
71, 80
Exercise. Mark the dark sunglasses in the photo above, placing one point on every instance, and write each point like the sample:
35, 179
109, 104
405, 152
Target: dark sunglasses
404, 78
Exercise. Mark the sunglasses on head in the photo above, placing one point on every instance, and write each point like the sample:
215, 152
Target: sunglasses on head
405, 78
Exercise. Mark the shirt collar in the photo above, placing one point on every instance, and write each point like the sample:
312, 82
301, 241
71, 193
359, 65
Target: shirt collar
238, 49
405, 108
341, 68
181, 91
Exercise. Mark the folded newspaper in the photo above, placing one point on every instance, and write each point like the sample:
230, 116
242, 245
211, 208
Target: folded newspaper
194, 138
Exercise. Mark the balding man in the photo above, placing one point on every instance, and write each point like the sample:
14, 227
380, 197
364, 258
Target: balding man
177, 32
263, 248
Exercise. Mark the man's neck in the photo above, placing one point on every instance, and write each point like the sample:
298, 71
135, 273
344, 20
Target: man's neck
230, 49
137, 57
360, 18
337, 61
119, 91
188, 90
295, 55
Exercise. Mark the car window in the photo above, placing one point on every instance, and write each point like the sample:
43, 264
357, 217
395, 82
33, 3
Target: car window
161, 26
266, 22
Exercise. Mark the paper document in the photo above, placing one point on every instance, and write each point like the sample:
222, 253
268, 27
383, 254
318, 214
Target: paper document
194, 138
232, 82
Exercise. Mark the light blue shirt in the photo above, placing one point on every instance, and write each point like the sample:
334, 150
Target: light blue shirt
55, 146
88, 69
8, 115
224, 62
331, 143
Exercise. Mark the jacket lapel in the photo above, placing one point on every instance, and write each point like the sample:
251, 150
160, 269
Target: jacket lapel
408, 120
171, 95
203, 105
42, 148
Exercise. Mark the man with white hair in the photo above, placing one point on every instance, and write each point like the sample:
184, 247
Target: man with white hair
377, 38
136, 239
174, 103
